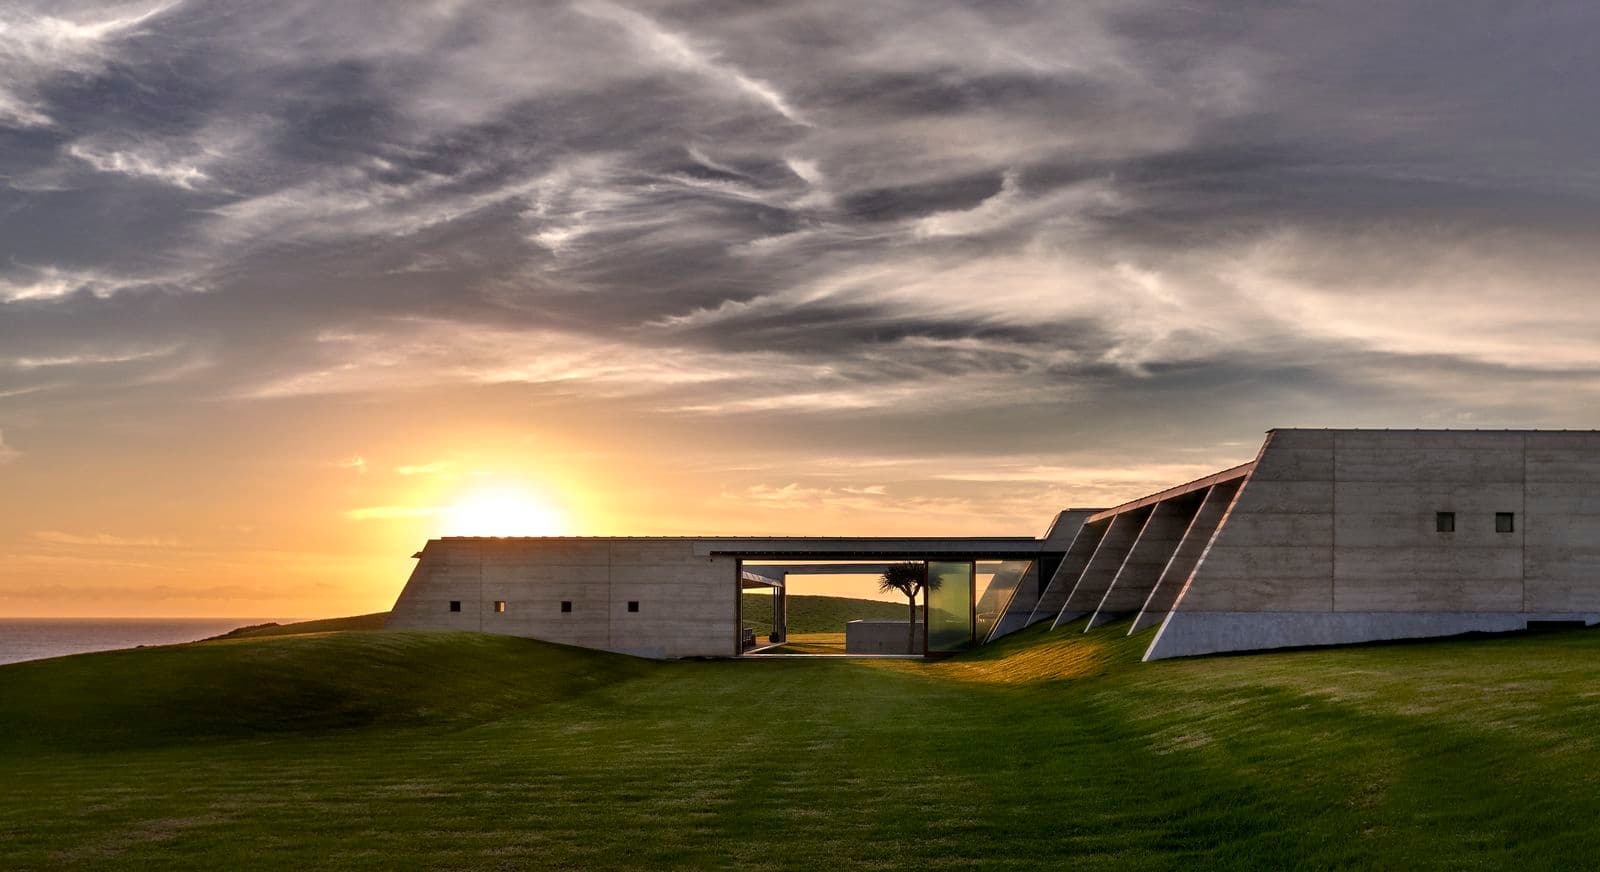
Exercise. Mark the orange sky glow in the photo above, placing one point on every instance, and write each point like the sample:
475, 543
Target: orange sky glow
266, 510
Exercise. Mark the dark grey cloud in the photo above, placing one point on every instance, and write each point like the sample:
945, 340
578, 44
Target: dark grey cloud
827, 218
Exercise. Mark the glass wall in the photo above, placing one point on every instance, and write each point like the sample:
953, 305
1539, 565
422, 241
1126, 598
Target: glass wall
997, 582
950, 606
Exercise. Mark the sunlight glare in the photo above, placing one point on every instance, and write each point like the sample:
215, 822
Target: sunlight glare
503, 511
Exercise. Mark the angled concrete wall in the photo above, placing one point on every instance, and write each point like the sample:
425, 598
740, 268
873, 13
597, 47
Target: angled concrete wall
1057, 540
1333, 539
1196, 538
1066, 575
1102, 568
1150, 553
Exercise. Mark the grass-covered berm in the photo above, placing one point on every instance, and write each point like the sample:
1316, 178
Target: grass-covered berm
810, 614
381, 750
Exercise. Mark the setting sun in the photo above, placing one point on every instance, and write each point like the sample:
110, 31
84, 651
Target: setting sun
503, 511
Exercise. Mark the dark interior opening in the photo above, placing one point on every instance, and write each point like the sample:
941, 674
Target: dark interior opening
1556, 625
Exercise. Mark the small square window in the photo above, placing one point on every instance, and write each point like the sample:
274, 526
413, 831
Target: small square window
499, 605
1445, 522
566, 606
633, 605
1505, 522
455, 605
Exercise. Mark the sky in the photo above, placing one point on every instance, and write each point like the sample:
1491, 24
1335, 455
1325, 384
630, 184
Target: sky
289, 287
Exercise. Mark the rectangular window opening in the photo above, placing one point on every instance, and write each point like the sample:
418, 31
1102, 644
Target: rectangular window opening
500, 605
1445, 522
633, 605
1505, 522
1537, 626
455, 605
566, 606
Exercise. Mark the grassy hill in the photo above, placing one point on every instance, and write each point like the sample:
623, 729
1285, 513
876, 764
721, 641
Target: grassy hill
368, 751
816, 614
363, 623
286, 684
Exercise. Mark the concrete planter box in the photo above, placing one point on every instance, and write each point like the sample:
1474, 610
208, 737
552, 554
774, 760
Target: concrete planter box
880, 637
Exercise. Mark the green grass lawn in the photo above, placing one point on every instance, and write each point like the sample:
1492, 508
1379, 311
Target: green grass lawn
810, 643
455, 750
816, 614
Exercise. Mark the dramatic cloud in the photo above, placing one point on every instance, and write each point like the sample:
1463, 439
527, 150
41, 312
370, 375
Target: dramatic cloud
1046, 247
37, 47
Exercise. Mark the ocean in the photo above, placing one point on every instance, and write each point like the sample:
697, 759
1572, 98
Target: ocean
37, 638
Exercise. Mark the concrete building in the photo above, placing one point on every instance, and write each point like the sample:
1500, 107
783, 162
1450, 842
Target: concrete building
1326, 537
672, 596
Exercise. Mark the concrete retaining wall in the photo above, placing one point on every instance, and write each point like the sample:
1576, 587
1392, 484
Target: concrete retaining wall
1333, 539
880, 637
686, 602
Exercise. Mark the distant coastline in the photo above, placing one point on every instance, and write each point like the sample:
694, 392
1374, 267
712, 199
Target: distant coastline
23, 639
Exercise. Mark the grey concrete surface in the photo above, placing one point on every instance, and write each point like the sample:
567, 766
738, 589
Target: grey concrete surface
1196, 538
1062, 581
1189, 634
1096, 577
1020, 611
1142, 568
686, 602
881, 637
1336, 523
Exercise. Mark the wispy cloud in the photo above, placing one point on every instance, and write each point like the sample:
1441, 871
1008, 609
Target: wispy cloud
104, 540
132, 163
391, 513
675, 50
93, 358
433, 468
36, 47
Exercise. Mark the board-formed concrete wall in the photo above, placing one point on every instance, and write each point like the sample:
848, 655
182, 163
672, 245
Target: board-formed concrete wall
1333, 539
1150, 553
883, 637
1024, 603
686, 601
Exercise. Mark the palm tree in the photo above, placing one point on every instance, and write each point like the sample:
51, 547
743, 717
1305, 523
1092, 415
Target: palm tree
909, 578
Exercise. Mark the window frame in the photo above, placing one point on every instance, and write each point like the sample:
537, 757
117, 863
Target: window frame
500, 607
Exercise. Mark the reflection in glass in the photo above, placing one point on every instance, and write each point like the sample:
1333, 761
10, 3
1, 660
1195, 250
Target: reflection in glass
997, 581
949, 606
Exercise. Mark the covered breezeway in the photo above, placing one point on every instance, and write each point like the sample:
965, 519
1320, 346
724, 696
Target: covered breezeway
971, 585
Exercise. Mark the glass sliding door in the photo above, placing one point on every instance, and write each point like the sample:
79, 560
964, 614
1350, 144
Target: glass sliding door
950, 606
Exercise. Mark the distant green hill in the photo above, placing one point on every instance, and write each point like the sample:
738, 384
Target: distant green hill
816, 614
287, 683
373, 621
